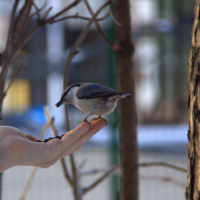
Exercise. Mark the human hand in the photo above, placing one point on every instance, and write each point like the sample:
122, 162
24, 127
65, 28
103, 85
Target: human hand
17, 148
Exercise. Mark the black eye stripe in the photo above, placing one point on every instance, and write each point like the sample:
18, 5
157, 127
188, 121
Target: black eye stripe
69, 88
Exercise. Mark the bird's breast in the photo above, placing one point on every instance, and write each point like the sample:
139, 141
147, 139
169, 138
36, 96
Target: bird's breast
97, 106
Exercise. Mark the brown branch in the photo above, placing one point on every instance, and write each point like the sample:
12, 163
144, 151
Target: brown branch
54, 132
79, 40
62, 11
100, 170
96, 171
76, 16
13, 78
24, 38
37, 11
21, 22
163, 179
99, 180
28, 183
47, 12
11, 28
76, 179
163, 165
98, 26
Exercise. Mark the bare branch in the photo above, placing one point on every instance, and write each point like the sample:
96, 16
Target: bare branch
117, 171
164, 165
62, 11
76, 16
107, 173
11, 28
54, 132
21, 22
47, 12
163, 179
28, 183
100, 170
76, 178
82, 164
37, 11
13, 78
98, 26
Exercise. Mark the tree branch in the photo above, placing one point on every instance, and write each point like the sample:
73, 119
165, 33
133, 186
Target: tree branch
99, 180
98, 26
163, 165
62, 11
151, 164
163, 179
11, 28
54, 132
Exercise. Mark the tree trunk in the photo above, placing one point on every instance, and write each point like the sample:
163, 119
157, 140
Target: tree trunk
193, 176
123, 49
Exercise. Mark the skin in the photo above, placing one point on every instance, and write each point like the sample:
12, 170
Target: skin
17, 148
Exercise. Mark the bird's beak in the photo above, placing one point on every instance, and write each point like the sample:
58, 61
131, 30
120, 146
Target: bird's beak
59, 103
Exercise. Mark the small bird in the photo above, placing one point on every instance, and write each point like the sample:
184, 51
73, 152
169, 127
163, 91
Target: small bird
92, 98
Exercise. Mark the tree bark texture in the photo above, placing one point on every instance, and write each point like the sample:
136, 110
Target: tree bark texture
193, 176
123, 49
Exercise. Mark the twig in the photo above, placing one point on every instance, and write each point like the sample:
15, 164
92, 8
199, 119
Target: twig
164, 165
117, 171
37, 10
74, 3
47, 12
78, 191
82, 164
13, 78
100, 170
11, 28
28, 183
163, 179
34, 169
98, 26
107, 173
54, 132
76, 16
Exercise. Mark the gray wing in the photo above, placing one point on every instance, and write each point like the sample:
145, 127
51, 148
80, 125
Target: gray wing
93, 90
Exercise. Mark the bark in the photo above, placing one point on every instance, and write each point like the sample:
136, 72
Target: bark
193, 176
123, 49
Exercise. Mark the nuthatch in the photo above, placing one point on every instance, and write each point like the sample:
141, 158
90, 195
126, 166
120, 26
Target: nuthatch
92, 98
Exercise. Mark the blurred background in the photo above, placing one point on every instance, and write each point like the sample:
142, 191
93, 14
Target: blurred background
161, 35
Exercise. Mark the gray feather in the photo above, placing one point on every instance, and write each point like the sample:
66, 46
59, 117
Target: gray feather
93, 90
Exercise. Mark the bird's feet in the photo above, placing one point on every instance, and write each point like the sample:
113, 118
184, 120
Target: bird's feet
99, 117
90, 124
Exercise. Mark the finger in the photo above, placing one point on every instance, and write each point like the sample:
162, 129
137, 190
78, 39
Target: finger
76, 133
97, 125
31, 138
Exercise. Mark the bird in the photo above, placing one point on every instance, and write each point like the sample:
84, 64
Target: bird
92, 98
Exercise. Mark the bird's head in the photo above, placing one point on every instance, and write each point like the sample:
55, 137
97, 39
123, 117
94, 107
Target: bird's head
68, 95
